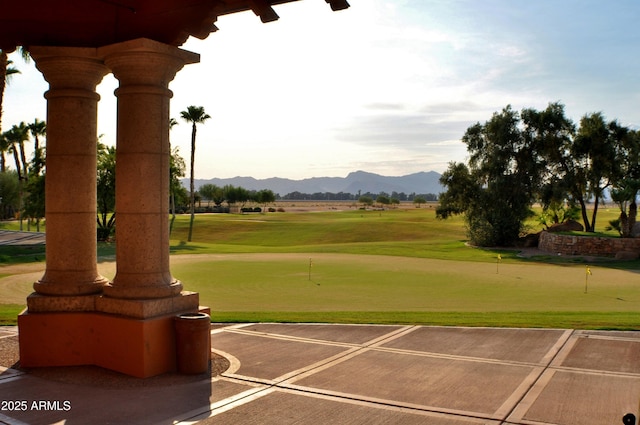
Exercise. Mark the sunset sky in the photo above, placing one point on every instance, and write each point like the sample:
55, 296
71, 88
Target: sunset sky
386, 86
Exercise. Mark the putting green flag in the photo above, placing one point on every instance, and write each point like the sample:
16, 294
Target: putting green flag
586, 279
498, 264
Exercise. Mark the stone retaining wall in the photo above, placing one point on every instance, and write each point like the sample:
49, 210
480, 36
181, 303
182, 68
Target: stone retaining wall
586, 245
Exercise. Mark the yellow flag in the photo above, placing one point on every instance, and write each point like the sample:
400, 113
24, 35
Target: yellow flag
589, 270
499, 257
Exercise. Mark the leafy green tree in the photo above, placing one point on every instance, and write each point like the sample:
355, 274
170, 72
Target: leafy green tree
218, 196
265, 197
177, 192
625, 187
231, 195
596, 143
580, 164
9, 194
106, 191
211, 192
235, 194
495, 192
242, 196
383, 200
195, 115
5, 145
34, 203
552, 133
419, 200
366, 200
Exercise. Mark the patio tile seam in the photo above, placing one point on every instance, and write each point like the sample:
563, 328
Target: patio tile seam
607, 338
373, 342
596, 372
381, 403
455, 357
536, 384
292, 338
229, 327
226, 404
391, 336
331, 361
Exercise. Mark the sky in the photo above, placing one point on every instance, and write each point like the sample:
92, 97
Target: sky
386, 86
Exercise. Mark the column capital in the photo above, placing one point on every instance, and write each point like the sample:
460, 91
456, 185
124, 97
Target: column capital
76, 68
145, 62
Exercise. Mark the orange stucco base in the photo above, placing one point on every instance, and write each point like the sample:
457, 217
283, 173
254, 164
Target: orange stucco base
136, 347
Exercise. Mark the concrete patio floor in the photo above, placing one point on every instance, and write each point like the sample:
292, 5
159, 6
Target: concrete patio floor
360, 374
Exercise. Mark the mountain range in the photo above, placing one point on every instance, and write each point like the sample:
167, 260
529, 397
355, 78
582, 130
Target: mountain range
355, 182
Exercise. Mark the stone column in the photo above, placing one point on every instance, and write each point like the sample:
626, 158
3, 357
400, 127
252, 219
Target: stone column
144, 69
72, 104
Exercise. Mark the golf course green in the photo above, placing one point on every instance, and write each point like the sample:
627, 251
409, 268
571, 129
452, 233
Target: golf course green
339, 264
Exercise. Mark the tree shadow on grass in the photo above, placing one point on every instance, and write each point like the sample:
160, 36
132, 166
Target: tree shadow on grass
534, 255
12, 254
183, 248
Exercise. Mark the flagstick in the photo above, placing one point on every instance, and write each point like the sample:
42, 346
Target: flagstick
498, 264
310, 263
586, 281
586, 278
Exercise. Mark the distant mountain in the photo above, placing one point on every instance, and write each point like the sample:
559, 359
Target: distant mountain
358, 181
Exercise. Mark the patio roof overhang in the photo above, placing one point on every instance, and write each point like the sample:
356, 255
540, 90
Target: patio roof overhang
94, 23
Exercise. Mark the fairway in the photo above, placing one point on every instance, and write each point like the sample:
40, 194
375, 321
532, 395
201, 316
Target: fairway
355, 266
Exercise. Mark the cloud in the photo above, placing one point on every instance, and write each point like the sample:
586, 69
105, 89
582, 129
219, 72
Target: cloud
385, 106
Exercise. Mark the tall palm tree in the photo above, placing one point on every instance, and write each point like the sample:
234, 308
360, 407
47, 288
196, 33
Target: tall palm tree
22, 135
16, 136
37, 128
194, 115
6, 71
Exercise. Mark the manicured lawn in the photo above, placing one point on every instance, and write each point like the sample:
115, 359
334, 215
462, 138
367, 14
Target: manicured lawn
380, 289
399, 266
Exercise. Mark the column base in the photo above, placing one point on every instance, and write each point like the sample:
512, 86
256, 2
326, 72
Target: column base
38, 303
46, 287
147, 308
140, 347
143, 292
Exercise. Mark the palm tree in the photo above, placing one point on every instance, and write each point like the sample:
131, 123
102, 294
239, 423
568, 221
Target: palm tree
6, 71
37, 128
15, 137
22, 135
4, 148
194, 115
